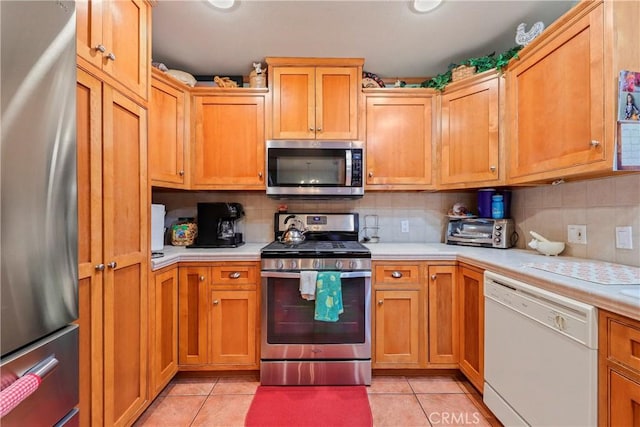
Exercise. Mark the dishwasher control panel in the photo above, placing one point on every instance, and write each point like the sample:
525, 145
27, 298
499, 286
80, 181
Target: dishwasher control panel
569, 317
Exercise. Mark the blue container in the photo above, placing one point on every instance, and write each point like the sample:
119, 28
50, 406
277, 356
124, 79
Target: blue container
497, 207
484, 202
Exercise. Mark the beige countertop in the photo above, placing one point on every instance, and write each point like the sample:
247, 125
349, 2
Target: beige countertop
622, 299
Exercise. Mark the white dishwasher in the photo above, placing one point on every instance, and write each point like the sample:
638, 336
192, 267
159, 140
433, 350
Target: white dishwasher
540, 355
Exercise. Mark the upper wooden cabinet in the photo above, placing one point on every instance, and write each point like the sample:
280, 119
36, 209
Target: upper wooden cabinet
470, 120
562, 93
115, 36
315, 98
399, 137
168, 131
229, 144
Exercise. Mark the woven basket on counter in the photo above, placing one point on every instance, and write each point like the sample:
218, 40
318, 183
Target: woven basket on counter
462, 71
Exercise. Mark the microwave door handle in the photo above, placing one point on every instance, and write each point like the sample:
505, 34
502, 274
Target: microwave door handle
349, 167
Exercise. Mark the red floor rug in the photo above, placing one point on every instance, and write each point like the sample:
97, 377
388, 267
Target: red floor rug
307, 406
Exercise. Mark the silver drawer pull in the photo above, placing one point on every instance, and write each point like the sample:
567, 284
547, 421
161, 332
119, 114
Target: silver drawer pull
112, 264
396, 274
234, 275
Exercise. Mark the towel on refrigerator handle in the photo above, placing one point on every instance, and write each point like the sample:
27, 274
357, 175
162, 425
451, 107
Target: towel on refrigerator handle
328, 296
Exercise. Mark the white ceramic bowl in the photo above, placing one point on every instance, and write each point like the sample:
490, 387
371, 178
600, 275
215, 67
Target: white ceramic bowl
550, 248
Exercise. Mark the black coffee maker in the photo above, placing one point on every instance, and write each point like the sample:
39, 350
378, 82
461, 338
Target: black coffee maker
217, 225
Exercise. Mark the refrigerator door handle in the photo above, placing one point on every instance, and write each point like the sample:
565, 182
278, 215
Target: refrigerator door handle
26, 385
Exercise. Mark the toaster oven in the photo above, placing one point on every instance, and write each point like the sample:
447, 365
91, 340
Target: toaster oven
483, 232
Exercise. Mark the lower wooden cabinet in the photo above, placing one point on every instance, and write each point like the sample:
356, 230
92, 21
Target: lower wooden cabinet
443, 316
471, 318
218, 315
163, 328
415, 316
619, 370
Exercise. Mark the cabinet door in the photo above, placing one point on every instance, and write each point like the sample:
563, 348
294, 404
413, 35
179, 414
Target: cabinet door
294, 103
163, 328
126, 35
193, 308
166, 135
89, 31
90, 267
229, 142
125, 213
443, 315
624, 399
469, 151
336, 106
397, 319
233, 327
556, 97
471, 316
399, 136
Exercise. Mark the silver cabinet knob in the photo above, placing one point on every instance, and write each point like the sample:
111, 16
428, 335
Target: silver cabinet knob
594, 143
259, 174
111, 56
112, 264
380, 302
234, 275
100, 267
181, 173
216, 302
201, 278
312, 129
370, 174
318, 129
100, 48
434, 277
492, 168
396, 274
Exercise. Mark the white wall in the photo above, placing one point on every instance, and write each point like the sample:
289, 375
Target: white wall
600, 204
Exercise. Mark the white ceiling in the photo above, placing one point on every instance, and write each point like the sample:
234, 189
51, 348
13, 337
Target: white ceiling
394, 41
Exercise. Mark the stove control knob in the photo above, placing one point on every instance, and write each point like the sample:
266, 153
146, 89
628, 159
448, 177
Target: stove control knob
280, 264
353, 265
316, 264
294, 264
339, 264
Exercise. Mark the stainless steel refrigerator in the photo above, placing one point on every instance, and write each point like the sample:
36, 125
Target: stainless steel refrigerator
38, 213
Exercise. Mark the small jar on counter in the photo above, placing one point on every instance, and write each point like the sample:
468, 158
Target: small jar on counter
184, 232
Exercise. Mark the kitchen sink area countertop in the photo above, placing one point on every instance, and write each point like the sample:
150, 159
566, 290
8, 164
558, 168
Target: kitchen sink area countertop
621, 299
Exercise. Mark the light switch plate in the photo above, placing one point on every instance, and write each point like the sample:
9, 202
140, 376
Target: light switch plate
623, 237
577, 234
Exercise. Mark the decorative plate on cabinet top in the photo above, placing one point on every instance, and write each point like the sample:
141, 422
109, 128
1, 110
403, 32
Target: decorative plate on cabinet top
370, 80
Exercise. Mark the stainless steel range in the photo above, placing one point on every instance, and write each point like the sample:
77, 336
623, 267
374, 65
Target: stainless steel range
296, 348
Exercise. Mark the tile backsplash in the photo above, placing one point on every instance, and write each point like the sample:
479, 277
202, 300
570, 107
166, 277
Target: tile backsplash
600, 204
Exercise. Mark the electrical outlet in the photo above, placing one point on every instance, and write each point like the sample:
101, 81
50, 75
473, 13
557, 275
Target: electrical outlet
623, 237
577, 234
404, 224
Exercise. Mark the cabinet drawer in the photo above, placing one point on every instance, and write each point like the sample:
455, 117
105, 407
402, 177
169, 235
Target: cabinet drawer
234, 274
624, 344
397, 274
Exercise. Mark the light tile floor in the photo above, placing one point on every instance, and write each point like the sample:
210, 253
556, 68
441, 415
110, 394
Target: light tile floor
434, 400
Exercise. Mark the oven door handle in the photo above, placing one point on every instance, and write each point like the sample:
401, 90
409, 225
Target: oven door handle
295, 275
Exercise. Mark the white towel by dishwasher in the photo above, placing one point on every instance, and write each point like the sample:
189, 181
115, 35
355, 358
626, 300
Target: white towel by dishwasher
308, 284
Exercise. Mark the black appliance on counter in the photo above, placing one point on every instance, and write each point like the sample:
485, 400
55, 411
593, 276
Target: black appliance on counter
297, 349
217, 223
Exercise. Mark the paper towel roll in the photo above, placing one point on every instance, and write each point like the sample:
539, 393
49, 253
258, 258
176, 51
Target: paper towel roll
157, 227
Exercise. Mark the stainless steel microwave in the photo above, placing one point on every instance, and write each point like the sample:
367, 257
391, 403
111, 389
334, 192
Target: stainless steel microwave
315, 169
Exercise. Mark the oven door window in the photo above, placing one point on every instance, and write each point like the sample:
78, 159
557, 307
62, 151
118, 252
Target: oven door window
307, 167
290, 319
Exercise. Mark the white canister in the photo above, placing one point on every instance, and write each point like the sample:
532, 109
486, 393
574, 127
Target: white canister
157, 227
